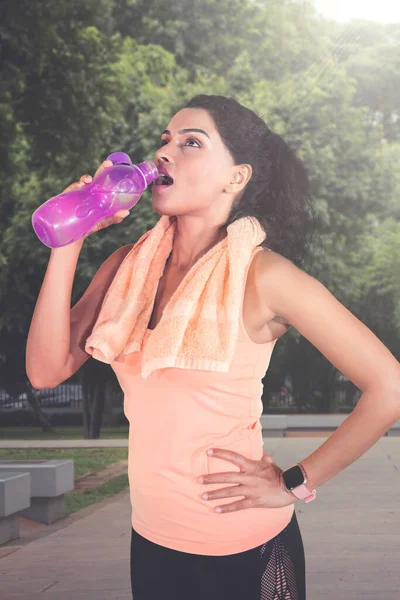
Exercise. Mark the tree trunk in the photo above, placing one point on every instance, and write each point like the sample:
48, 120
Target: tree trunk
300, 359
96, 420
35, 406
94, 380
15, 389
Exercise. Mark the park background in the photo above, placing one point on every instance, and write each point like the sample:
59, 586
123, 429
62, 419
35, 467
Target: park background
83, 78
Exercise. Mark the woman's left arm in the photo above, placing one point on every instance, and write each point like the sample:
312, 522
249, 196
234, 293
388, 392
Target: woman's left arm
350, 346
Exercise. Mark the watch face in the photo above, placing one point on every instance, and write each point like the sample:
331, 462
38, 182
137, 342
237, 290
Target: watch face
293, 477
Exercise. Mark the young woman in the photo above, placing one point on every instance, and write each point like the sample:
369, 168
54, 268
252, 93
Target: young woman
224, 165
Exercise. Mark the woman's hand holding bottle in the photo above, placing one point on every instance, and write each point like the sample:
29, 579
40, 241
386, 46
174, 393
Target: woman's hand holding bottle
91, 204
54, 346
118, 217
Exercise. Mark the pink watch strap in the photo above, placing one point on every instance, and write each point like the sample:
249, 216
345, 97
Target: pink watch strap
302, 493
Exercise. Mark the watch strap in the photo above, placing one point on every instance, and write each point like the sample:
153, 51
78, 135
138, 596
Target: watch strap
301, 492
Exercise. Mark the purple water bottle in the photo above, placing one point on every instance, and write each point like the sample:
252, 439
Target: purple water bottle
69, 216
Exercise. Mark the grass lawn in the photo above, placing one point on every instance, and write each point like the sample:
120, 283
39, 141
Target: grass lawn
59, 433
74, 502
85, 459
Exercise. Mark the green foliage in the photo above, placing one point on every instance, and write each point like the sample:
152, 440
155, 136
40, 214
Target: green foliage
203, 35
371, 55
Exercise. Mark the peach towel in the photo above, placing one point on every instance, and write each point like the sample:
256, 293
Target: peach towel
199, 325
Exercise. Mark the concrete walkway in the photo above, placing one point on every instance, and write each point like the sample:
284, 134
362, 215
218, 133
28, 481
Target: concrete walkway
351, 535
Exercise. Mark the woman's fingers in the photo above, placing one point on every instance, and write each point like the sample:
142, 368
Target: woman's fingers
77, 185
85, 179
104, 165
118, 217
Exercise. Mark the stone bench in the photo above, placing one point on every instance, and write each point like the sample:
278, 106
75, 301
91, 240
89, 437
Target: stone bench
50, 480
15, 495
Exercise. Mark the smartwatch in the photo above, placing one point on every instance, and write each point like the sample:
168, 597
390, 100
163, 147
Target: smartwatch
295, 479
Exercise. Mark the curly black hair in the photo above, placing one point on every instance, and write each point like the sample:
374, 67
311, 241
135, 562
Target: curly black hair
278, 191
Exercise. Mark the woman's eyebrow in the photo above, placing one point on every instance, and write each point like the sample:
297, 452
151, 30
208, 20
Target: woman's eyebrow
182, 131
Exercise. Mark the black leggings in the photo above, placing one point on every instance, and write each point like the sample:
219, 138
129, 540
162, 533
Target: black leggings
272, 571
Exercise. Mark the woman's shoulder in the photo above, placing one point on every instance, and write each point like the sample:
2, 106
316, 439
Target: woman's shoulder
272, 269
266, 258
269, 273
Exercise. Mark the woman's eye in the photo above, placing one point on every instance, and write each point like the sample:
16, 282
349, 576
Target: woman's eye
195, 142
191, 142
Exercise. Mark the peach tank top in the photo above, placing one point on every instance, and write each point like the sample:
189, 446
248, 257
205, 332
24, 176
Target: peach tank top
175, 415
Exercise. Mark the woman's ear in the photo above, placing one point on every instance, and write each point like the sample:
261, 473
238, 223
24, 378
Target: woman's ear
241, 175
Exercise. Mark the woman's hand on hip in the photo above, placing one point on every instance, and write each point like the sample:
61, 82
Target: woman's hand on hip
259, 481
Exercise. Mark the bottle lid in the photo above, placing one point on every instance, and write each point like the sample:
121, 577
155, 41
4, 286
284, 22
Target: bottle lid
119, 158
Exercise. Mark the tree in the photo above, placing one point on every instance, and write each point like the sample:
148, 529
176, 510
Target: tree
342, 150
370, 54
202, 35
58, 99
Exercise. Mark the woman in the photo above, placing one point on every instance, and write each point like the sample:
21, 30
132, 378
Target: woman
225, 165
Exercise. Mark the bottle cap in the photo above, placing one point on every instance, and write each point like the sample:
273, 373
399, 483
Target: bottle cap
119, 158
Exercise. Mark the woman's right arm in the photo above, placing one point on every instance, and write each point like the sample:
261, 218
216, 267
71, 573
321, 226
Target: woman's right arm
55, 347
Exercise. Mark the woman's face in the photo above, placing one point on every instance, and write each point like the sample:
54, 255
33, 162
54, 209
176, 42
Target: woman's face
192, 153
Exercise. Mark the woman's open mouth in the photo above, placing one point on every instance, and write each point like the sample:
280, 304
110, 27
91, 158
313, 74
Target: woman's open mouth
163, 180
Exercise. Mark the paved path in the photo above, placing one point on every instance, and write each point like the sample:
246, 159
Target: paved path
351, 536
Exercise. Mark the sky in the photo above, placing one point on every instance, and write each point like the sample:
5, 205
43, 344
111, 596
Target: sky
382, 11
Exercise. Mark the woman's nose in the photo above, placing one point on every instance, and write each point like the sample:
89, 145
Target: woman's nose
163, 156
